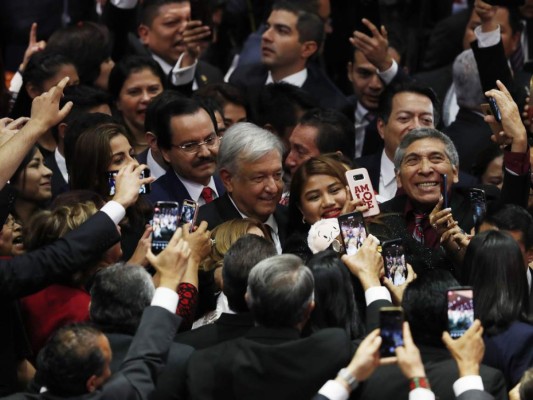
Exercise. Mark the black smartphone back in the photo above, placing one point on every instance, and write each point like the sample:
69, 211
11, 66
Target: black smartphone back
460, 310
478, 201
353, 231
164, 224
390, 325
444, 190
368, 9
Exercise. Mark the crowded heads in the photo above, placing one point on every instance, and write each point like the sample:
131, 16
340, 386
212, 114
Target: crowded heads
280, 292
249, 162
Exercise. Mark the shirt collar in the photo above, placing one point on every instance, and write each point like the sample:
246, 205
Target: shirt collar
360, 112
296, 79
271, 221
61, 164
166, 67
387, 169
155, 169
195, 189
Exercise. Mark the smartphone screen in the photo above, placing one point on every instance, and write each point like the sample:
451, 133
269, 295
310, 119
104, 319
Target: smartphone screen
390, 324
478, 201
144, 189
353, 231
444, 190
189, 210
394, 260
460, 310
164, 224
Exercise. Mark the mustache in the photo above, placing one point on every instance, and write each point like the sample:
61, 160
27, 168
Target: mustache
203, 160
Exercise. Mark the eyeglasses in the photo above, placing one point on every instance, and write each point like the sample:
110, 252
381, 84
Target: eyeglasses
194, 147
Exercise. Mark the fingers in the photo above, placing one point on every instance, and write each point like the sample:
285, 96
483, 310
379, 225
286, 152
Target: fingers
389, 360
503, 89
371, 27
33, 34
447, 339
147, 232
411, 275
63, 83
371, 242
407, 337
18, 123
66, 110
176, 237
202, 227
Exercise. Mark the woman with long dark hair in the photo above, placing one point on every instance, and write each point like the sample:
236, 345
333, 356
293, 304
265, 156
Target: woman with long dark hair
495, 268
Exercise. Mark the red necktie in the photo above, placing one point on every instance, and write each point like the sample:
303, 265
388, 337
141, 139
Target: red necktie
208, 194
418, 232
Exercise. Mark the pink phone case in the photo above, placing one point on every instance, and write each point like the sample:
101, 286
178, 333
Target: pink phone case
361, 188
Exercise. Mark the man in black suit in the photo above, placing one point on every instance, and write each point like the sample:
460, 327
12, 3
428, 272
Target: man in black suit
119, 295
241, 257
249, 164
188, 140
293, 36
76, 360
271, 361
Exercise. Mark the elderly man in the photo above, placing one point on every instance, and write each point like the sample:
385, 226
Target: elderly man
270, 361
249, 164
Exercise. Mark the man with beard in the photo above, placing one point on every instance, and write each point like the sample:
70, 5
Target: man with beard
188, 140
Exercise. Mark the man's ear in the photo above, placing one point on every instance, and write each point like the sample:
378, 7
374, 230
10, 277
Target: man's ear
165, 154
398, 180
33, 91
455, 174
308, 49
144, 33
529, 255
226, 179
92, 383
151, 139
349, 67
61, 129
381, 128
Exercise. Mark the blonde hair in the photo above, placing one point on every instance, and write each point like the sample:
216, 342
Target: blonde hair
225, 235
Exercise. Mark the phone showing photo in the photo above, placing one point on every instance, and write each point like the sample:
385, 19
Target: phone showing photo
189, 211
361, 188
460, 310
478, 201
353, 231
164, 224
144, 189
390, 325
394, 261
444, 190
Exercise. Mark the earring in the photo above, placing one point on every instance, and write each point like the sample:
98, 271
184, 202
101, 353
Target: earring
303, 220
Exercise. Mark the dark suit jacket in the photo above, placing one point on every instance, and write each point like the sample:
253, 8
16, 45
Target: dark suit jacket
146, 355
59, 185
387, 382
268, 363
221, 210
252, 78
226, 327
169, 188
470, 134
33, 271
373, 142
170, 379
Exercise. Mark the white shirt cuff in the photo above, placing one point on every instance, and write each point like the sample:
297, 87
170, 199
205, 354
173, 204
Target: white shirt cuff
114, 210
487, 39
166, 298
16, 83
468, 382
182, 76
421, 394
124, 4
334, 390
377, 293
388, 75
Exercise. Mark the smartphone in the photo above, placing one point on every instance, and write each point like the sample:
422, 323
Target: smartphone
201, 11
164, 224
478, 201
390, 324
460, 310
144, 189
189, 211
368, 9
495, 110
444, 190
361, 188
393, 254
353, 231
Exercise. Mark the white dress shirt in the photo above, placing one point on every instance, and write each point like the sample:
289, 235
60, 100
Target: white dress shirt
195, 189
297, 79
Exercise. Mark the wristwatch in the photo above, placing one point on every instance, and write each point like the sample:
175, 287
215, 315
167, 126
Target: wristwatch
345, 375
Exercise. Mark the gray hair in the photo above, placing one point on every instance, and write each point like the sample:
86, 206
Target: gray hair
425, 133
466, 81
119, 295
246, 142
280, 289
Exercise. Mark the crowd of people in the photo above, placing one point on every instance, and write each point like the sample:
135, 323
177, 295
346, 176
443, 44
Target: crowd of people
119, 112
